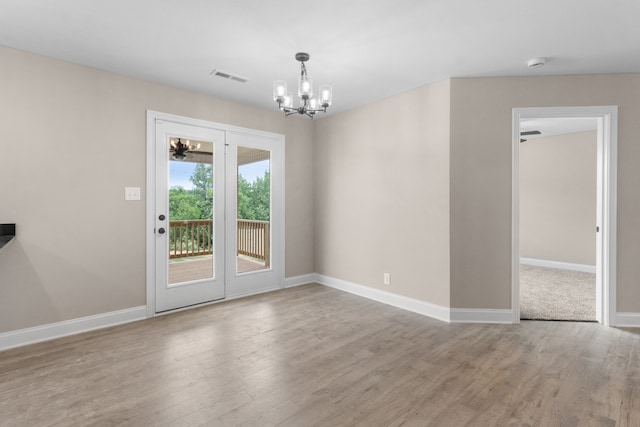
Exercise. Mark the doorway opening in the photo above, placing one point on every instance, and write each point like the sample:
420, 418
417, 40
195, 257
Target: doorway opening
557, 236
558, 206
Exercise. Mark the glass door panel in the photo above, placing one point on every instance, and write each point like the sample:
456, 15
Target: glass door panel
253, 222
255, 213
191, 196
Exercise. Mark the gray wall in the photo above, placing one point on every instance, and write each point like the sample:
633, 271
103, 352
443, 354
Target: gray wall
558, 198
481, 178
72, 138
382, 194
365, 223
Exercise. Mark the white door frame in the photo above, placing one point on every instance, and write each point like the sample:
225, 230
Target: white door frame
607, 117
152, 118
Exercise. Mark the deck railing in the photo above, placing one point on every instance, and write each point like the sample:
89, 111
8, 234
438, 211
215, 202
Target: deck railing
190, 238
253, 239
194, 237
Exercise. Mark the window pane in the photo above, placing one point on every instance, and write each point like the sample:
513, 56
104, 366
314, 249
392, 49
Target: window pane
191, 236
254, 210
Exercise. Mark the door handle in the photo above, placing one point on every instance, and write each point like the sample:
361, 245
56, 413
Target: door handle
161, 217
161, 230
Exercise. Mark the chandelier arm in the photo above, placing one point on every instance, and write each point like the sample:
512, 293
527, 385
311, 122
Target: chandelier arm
318, 110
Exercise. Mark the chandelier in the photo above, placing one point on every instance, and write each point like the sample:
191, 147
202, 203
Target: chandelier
310, 104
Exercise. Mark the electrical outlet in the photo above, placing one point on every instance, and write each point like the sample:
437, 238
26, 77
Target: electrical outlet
386, 278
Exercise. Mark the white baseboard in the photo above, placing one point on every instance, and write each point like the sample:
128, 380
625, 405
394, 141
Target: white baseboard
627, 320
477, 315
559, 265
51, 331
303, 279
453, 315
410, 304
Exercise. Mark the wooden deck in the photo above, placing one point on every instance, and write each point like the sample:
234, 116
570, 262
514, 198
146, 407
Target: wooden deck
201, 267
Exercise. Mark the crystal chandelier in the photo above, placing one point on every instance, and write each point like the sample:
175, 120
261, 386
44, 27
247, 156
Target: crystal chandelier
310, 104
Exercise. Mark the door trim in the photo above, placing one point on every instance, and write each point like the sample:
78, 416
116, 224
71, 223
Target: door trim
152, 118
607, 117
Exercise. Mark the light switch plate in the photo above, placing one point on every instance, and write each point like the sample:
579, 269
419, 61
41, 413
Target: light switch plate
132, 193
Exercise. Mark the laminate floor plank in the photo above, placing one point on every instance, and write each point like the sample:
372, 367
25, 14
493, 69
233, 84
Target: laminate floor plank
315, 356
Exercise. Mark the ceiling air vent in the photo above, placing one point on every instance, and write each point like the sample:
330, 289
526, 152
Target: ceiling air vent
225, 75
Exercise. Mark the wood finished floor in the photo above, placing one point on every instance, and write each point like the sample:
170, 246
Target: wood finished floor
315, 356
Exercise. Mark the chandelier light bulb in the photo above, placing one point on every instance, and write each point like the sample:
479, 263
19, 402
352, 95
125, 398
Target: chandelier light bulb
279, 90
305, 87
325, 95
288, 101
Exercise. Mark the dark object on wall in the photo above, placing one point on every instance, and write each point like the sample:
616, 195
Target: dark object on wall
528, 132
7, 232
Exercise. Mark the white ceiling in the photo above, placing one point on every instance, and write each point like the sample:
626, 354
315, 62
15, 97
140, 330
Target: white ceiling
366, 49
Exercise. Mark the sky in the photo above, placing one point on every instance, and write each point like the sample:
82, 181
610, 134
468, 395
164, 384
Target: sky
180, 172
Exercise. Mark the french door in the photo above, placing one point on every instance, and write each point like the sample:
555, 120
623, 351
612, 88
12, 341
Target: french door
189, 215
254, 224
217, 212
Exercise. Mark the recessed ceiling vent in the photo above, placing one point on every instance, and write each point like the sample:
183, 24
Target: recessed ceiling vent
225, 75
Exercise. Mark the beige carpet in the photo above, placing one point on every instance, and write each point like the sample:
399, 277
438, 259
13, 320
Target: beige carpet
553, 294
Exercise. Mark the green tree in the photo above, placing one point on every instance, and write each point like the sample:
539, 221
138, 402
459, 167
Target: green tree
254, 198
182, 204
260, 195
197, 203
245, 205
202, 180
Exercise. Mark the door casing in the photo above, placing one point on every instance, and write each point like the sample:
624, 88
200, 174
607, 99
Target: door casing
607, 134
